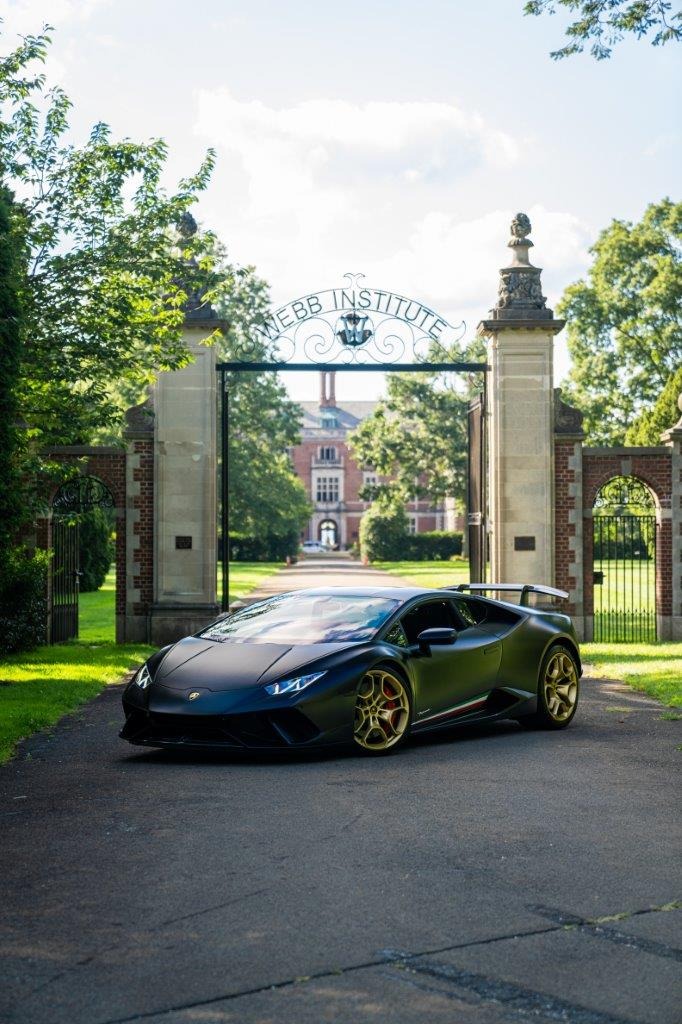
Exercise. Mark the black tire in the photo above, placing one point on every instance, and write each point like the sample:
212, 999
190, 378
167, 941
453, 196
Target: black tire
392, 674
553, 711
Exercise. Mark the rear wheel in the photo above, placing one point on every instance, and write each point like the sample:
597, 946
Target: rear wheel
383, 711
557, 691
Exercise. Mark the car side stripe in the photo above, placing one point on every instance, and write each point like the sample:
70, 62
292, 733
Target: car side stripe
458, 709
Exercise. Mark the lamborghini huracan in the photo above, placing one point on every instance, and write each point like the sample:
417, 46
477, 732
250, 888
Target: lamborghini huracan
364, 667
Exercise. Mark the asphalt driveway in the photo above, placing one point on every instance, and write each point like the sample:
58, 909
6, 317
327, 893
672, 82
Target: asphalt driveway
480, 877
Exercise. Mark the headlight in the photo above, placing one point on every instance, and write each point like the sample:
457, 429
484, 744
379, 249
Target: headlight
292, 685
143, 679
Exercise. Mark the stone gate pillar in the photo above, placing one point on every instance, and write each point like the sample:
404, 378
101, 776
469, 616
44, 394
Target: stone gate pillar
519, 334
185, 532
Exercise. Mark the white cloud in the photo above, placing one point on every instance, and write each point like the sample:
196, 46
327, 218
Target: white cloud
661, 145
404, 192
28, 16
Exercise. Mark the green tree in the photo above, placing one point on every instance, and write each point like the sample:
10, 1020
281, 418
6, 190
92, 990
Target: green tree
625, 321
10, 357
266, 497
665, 413
417, 437
604, 23
107, 271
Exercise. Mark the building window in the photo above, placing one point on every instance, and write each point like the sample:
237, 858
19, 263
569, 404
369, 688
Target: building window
328, 453
411, 524
327, 488
330, 420
369, 479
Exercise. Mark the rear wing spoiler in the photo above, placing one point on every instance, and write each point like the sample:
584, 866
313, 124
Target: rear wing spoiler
523, 588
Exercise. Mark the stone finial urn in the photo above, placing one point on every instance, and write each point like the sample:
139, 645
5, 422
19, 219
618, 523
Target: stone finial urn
520, 292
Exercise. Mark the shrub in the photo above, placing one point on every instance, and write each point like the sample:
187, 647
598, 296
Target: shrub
268, 548
23, 600
384, 538
433, 546
96, 548
383, 533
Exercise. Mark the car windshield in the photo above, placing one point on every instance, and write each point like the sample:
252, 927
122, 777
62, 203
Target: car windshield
306, 619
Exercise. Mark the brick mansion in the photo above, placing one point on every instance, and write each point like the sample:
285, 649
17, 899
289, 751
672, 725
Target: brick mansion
331, 476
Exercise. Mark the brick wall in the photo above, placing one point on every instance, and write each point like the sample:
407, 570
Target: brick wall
580, 473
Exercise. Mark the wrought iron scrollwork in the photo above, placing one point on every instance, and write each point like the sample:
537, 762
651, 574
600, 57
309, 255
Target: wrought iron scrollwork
350, 326
627, 493
81, 494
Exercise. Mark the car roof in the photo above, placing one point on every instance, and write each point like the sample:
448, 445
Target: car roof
400, 593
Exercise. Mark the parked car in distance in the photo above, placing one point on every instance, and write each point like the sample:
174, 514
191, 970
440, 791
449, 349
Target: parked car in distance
313, 547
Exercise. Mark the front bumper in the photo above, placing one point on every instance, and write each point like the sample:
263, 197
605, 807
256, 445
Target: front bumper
278, 729
246, 719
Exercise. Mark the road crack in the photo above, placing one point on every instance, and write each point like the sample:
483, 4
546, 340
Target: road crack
519, 1000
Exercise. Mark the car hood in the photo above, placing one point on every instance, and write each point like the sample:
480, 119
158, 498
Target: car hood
229, 665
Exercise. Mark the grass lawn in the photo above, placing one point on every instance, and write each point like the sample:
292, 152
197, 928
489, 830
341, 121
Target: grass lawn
96, 612
428, 574
38, 688
246, 576
654, 668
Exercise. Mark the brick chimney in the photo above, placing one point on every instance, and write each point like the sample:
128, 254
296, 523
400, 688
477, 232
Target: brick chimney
327, 388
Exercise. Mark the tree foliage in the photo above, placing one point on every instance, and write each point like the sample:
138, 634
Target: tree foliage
10, 357
416, 439
602, 24
107, 272
665, 413
625, 322
266, 498
97, 549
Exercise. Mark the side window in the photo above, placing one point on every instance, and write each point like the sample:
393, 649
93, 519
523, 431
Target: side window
430, 615
471, 610
396, 635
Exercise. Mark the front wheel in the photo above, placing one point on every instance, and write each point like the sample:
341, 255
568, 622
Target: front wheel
557, 691
383, 711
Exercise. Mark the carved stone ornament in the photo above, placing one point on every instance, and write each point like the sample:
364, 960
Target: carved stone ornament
139, 419
520, 229
520, 290
567, 419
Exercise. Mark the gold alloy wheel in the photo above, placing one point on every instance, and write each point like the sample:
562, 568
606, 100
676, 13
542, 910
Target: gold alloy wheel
382, 710
561, 686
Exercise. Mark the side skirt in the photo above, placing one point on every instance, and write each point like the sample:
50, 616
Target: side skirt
502, 702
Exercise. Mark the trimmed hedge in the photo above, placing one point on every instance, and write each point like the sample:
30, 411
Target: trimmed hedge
23, 600
434, 546
269, 548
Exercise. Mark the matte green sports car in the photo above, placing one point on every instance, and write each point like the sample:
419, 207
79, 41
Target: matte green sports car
364, 666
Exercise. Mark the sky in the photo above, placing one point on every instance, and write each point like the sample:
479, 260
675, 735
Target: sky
392, 139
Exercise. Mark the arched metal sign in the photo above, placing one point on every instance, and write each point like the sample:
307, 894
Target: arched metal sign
352, 327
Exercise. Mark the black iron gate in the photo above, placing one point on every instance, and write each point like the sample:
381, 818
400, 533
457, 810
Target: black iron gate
625, 578
476, 490
65, 574
75, 497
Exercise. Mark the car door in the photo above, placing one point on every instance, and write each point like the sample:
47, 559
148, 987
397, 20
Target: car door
449, 679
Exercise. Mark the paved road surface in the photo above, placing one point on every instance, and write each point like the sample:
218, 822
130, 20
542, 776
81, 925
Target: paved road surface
457, 881
317, 571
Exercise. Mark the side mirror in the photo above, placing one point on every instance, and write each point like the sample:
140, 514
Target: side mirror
440, 635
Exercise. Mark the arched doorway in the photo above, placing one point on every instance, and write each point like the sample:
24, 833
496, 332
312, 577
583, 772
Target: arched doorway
328, 532
624, 537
